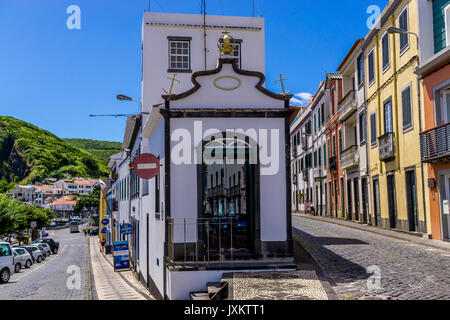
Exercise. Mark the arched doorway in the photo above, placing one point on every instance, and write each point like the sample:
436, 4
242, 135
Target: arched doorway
229, 197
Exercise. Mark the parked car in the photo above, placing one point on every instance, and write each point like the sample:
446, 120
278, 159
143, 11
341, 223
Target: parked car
45, 249
35, 252
22, 259
6, 262
93, 232
54, 246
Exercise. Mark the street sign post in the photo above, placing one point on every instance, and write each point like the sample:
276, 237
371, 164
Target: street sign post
126, 229
146, 166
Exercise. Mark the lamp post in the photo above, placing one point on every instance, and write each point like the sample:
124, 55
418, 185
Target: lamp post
395, 30
122, 97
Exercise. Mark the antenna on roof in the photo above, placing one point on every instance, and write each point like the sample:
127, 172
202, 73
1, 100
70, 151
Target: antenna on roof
148, 5
253, 14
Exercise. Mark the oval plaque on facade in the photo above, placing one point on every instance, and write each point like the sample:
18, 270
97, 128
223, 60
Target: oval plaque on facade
227, 83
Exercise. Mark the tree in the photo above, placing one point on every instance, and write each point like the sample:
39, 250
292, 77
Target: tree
89, 201
16, 216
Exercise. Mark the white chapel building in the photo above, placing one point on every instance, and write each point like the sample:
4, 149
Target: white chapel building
221, 201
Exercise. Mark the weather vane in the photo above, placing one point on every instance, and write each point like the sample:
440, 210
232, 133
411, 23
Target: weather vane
282, 83
226, 49
171, 85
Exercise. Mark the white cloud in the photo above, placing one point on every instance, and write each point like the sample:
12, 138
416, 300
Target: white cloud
301, 99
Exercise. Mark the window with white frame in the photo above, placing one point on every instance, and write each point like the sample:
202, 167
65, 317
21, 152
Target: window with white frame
179, 54
403, 24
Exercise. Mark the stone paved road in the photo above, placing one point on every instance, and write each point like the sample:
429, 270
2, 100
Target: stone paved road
407, 271
48, 280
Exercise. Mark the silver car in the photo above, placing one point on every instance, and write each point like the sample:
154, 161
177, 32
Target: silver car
22, 259
36, 253
45, 251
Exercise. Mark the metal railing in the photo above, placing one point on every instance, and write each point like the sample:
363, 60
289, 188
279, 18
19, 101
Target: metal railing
347, 104
200, 241
349, 157
435, 144
386, 146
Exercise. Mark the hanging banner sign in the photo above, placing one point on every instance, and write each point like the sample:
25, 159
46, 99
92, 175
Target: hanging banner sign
146, 166
121, 255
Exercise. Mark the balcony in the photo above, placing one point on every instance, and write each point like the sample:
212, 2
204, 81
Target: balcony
332, 164
387, 147
294, 179
294, 151
305, 174
304, 143
350, 157
347, 105
435, 145
319, 173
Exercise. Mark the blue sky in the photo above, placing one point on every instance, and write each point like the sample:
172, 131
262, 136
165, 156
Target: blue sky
54, 77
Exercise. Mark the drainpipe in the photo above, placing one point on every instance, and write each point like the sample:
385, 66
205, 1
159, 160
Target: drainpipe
395, 99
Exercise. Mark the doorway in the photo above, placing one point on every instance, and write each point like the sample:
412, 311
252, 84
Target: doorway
445, 216
356, 193
376, 202
411, 200
349, 199
392, 203
365, 213
228, 198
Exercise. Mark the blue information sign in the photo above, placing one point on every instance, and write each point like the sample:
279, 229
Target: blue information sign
121, 257
126, 229
103, 230
105, 222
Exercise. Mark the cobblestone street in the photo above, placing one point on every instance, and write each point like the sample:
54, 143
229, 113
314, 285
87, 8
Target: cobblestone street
348, 257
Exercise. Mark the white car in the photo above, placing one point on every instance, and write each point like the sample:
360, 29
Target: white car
22, 259
6, 262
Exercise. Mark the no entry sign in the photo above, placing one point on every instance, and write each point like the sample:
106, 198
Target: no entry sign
146, 166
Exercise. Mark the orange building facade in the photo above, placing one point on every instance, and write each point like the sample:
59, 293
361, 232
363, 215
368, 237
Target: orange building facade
334, 145
435, 143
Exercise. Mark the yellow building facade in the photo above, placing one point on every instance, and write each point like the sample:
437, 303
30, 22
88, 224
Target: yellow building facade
395, 120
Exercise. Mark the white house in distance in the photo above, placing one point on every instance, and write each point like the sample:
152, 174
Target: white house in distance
221, 201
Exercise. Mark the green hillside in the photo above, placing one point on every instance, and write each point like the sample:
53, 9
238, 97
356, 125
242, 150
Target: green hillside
30, 154
101, 149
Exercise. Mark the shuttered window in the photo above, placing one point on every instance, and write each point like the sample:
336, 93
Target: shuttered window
371, 67
403, 22
406, 108
385, 45
373, 129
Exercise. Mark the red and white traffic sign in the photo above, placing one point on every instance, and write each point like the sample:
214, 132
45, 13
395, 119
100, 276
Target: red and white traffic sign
146, 166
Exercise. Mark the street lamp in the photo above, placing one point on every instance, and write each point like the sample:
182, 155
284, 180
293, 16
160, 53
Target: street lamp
122, 97
394, 30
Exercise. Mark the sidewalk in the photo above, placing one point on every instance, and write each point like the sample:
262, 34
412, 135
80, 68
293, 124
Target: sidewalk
110, 285
399, 235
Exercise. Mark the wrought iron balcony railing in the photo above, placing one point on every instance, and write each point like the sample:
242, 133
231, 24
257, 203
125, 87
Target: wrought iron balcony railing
347, 105
435, 145
386, 146
350, 157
